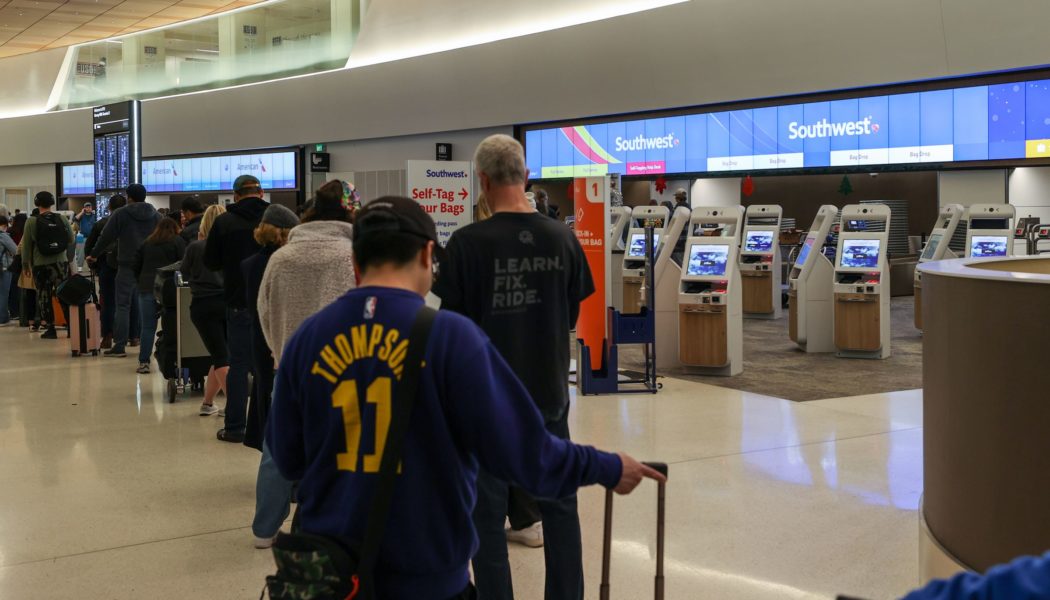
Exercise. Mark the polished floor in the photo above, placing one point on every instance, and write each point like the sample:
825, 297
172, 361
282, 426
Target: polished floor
107, 491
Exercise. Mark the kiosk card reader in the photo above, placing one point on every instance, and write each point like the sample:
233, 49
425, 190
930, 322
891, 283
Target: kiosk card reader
710, 313
936, 248
862, 283
989, 231
634, 254
809, 287
760, 267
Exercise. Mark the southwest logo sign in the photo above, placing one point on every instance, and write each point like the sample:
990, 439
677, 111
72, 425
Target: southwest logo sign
825, 129
640, 142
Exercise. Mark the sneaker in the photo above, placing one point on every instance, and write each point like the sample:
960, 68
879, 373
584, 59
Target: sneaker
34, 327
107, 342
133, 342
531, 536
222, 412
263, 543
115, 353
143, 369
50, 334
208, 410
228, 436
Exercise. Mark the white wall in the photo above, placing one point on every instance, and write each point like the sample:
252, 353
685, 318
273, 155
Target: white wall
1030, 192
37, 178
716, 191
692, 53
986, 186
391, 153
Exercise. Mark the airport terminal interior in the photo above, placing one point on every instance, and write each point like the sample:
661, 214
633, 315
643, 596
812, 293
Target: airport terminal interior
819, 285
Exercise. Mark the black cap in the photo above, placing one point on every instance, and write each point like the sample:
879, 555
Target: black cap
394, 214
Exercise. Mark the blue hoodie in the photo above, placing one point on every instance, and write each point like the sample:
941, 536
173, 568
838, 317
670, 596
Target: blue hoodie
334, 387
1027, 578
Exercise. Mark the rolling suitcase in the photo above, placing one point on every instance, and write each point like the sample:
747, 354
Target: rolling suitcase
85, 329
607, 539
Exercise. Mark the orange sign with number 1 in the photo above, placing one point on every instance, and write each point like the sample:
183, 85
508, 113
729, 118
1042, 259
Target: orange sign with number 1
592, 229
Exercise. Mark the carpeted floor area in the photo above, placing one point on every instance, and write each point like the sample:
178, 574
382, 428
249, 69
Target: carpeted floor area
774, 366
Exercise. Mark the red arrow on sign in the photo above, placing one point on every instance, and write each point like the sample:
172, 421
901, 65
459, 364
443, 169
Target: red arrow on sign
463, 194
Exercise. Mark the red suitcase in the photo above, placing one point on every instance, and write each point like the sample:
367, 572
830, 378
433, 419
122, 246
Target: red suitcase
85, 329
658, 591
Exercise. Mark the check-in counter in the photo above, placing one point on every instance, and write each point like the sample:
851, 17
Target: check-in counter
986, 450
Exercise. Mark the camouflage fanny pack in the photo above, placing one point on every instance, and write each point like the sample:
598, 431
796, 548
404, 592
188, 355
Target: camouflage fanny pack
312, 567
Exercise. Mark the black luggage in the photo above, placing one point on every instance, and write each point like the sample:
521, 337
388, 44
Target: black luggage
607, 539
76, 290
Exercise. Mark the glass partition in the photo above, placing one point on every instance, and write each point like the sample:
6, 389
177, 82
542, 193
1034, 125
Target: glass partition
260, 43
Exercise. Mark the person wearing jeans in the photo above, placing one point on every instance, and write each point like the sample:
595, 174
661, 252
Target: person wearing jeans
8, 251
162, 248
127, 228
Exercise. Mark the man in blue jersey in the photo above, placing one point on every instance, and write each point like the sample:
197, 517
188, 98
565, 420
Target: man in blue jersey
331, 409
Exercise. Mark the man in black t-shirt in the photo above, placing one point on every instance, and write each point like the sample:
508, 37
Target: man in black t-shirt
521, 276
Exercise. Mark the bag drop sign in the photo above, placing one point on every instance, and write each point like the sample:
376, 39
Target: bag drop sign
445, 189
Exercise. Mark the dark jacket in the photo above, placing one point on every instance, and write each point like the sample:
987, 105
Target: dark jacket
230, 241
127, 227
192, 228
253, 268
92, 240
151, 257
203, 281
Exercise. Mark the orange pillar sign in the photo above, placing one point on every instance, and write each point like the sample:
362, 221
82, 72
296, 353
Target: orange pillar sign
590, 195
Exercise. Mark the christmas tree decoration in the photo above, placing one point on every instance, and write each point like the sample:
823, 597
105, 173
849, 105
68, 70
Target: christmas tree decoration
845, 188
748, 186
661, 184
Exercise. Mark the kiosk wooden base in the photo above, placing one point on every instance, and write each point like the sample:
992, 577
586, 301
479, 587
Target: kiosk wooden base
918, 305
857, 322
632, 298
757, 287
703, 335
793, 315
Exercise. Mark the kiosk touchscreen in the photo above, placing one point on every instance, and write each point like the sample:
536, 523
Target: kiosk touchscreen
989, 231
634, 253
809, 287
861, 288
936, 248
710, 315
760, 262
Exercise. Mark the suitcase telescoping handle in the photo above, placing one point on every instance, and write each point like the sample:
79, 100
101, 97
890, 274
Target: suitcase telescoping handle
661, 492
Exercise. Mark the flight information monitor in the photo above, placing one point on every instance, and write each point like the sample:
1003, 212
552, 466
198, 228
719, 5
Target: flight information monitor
636, 249
860, 254
117, 145
707, 260
759, 241
988, 245
931, 246
803, 254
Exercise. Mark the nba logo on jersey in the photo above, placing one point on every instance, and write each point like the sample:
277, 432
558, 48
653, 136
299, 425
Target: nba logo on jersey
370, 307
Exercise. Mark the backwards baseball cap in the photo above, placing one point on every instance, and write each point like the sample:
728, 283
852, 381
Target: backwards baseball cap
394, 214
244, 182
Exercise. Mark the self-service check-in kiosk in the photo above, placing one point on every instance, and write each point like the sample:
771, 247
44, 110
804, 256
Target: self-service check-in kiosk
989, 230
1026, 230
1041, 238
620, 219
936, 248
809, 287
634, 254
760, 268
862, 283
710, 313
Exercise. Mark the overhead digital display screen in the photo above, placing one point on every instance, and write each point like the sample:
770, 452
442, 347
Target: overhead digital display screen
275, 171
707, 260
113, 162
112, 118
78, 180
987, 122
759, 241
860, 254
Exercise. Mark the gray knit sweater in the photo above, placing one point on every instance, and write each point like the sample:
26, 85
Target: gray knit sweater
312, 270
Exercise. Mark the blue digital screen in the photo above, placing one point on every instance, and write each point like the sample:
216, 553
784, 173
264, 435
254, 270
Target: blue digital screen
860, 254
636, 249
803, 254
707, 260
275, 171
989, 122
78, 180
759, 241
987, 245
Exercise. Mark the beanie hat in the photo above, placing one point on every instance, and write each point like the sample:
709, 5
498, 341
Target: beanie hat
280, 216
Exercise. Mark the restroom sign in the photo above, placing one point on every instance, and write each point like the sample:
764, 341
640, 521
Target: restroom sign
445, 189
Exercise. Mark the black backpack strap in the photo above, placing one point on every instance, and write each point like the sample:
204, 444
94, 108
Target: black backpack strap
404, 399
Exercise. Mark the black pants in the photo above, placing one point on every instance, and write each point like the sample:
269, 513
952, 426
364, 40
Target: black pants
209, 317
522, 509
47, 278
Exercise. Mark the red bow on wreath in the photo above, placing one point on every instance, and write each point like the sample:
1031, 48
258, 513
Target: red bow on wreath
661, 184
748, 186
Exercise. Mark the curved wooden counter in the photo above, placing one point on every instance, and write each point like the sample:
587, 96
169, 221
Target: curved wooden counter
986, 390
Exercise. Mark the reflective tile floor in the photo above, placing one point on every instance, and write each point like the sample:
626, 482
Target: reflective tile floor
107, 491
